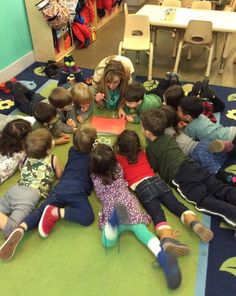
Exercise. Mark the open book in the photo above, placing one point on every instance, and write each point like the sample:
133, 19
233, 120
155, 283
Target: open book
108, 125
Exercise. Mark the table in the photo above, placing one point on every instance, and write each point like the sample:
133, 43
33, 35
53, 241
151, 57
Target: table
222, 21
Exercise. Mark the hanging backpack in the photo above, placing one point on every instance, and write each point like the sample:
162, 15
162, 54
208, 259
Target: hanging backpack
55, 12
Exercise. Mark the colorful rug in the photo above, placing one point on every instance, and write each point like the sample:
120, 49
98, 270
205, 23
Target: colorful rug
74, 254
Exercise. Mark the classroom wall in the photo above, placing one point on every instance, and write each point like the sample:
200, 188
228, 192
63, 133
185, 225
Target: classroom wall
14, 32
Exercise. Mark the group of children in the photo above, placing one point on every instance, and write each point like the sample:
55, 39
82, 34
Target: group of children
185, 149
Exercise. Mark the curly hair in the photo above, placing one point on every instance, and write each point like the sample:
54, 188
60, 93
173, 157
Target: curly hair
104, 164
128, 145
13, 135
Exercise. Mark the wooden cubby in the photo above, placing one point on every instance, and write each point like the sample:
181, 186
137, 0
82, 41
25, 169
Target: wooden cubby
42, 37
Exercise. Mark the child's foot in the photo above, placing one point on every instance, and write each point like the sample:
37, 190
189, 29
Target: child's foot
173, 246
7, 250
169, 264
218, 146
168, 76
175, 78
49, 217
204, 233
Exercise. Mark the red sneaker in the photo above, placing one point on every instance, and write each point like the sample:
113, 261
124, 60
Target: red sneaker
49, 217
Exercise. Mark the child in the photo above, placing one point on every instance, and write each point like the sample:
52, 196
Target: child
62, 100
193, 182
136, 101
199, 127
37, 175
121, 212
99, 70
210, 155
83, 101
46, 115
111, 87
152, 190
12, 154
24, 98
68, 199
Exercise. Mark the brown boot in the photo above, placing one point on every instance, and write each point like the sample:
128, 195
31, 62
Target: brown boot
169, 243
190, 219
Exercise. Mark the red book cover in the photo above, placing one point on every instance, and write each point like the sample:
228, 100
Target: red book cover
108, 125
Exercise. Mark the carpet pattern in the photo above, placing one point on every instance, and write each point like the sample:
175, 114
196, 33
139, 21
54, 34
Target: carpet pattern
72, 260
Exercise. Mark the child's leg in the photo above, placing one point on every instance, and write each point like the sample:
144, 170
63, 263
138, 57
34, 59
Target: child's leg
167, 261
77, 210
151, 192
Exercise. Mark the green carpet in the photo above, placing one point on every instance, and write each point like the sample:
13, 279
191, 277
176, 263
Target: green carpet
72, 260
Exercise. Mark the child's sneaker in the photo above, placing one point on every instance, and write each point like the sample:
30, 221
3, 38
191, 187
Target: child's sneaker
218, 146
169, 264
168, 76
7, 250
49, 217
175, 78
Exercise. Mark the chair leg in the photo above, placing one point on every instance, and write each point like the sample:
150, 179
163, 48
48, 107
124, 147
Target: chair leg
120, 48
177, 60
150, 61
208, 69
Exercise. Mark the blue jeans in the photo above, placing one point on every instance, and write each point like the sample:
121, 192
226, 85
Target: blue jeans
153, 192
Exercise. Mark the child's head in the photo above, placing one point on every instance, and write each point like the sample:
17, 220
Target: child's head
38, 143
103, 163
82, 95
115, 76
44, 113
153, 123
134, 94
61, 98
84, 138
13, 135
128, 144
189, 108
173, 95
171, 116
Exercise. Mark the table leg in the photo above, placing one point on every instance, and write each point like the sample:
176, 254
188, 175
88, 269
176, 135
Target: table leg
225, 51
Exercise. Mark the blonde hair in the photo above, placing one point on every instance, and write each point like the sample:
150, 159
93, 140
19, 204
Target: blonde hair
81, 94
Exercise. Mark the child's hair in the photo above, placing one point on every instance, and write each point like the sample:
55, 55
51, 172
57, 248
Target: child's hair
128, 144
60, 97
103, 163
173, 95
171, 116
155, 121
37, 143
84, 138
13, 135
134, 92
114, 68
81, 94
44, 112
191, 105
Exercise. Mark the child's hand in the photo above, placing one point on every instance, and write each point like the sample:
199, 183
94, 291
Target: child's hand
71, 122
182, 124
99, 97
64, 138
129, 118
80, 119
121, 113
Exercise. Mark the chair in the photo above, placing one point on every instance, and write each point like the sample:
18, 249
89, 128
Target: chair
137, 38
231, 6
202, 5
197, 33
187, 3
171, 3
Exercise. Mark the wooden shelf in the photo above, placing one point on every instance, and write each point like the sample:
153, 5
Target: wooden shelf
101, 22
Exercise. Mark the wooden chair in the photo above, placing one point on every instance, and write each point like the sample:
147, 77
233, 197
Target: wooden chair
197, 33
202, 5
137, 38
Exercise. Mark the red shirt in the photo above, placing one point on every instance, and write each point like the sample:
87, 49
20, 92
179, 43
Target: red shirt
138, 171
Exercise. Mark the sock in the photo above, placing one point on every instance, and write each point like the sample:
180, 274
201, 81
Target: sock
154, 246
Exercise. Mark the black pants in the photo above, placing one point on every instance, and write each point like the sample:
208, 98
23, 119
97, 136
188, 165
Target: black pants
208, 194
152, 192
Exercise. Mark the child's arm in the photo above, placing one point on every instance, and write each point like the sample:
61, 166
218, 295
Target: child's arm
57, 167
63, 139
